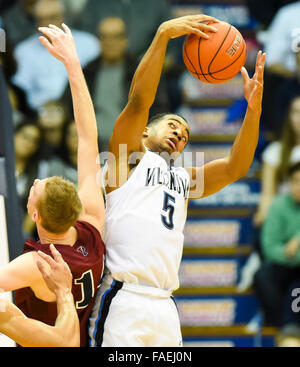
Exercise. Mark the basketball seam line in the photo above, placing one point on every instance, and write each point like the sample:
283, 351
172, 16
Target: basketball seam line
186, 54
218, 50
229, 65
199, 60
218, 71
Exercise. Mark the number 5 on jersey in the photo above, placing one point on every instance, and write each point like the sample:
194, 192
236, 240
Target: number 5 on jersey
168, 207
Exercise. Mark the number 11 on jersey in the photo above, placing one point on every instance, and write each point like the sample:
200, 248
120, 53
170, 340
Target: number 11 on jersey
168, 207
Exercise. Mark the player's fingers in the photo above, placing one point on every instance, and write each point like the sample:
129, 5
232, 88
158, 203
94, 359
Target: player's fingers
56, 254
204, 27
58, 257
260, 74
42, 268
47, 258
46, 43
245, 74
197, 32
66, 28
262, 66
47, 32
55, 28
258, 58
202, 18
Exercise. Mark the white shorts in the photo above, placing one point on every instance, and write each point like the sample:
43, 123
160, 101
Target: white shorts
127, 315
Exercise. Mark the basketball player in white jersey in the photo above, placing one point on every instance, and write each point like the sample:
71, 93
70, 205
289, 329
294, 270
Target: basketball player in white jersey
147, 206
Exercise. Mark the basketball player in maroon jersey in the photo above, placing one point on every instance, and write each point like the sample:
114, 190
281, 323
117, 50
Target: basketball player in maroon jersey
31, 333
70, 220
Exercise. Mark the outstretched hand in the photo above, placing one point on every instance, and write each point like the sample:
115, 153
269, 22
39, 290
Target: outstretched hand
60, 43
196, 24
57, 275
253, 88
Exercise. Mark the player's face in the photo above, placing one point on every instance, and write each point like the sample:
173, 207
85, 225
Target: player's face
35, 193
169, 135
27, 141
46, 13
295, 186
113, 40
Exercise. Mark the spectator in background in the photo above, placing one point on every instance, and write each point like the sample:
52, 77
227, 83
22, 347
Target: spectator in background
281, 43
283, 39
18, 20
276, 159
52, 118
17, 96
64, 164
280, 273
74, 9
141, 17
286, 89
42, 77
27, 143
264, 11
109, 76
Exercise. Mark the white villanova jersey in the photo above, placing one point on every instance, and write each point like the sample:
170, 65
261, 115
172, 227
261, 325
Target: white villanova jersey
145, 218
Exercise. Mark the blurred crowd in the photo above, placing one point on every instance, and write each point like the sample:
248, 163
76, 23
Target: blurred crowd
111, 37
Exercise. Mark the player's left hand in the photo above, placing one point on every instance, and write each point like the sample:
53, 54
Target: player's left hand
253, 87
57, 275
60, 43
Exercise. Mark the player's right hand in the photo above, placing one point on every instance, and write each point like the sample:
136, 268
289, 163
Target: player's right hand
57, 275
60, 43
189, 24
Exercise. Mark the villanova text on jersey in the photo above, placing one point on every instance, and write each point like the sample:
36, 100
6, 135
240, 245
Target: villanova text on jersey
170, 179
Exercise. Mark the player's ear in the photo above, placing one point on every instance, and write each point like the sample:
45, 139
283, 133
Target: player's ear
146, 132
35, 216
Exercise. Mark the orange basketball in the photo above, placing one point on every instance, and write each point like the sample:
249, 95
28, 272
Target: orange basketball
217, 59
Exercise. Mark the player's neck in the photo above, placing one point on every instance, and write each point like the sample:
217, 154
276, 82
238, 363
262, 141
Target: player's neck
68, 238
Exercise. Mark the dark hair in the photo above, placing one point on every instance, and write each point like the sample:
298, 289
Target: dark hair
293, 168
156, 118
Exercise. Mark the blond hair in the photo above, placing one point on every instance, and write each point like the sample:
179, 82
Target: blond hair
59, 205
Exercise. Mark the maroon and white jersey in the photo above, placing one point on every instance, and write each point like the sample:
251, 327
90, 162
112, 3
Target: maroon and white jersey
86, 262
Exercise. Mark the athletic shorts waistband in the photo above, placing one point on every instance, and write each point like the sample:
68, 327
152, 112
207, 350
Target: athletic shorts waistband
139, 289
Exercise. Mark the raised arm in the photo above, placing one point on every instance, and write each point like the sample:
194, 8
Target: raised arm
221, 172
132, 121
63, 48
32, 333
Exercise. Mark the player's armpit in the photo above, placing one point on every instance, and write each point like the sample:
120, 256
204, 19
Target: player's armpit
129, 128
210, 178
